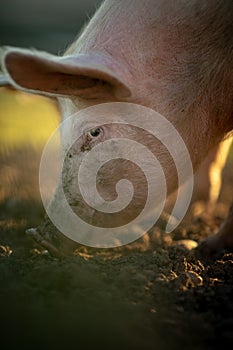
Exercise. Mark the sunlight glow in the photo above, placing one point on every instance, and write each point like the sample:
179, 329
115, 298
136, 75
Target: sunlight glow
25, 119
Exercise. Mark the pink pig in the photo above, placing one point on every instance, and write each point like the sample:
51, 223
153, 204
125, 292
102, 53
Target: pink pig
174, 57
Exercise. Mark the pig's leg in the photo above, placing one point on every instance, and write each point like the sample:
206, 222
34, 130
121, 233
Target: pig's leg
207, 183
208, 178
222, 240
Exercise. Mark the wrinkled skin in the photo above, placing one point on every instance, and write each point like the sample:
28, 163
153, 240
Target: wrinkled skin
174, 57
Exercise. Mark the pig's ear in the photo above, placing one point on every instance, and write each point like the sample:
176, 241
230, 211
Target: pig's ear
4, 81
84, 75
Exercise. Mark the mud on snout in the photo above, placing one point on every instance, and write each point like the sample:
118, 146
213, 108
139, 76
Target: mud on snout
51, 239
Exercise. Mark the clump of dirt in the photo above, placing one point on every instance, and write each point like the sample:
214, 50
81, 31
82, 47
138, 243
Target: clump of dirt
157, 293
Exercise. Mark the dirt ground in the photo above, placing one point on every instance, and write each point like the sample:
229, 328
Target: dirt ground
153, 294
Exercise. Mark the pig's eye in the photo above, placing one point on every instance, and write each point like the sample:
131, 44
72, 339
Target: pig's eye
94, 132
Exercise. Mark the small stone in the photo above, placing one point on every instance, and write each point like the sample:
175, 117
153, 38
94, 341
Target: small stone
187, 243
188, 280
5, 251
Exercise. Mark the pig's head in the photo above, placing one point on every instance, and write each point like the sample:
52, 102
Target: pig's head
81, 81
78, 81
174, 57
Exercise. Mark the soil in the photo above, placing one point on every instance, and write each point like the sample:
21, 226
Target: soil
157, 293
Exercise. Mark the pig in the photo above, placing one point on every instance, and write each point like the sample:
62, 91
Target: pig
174, 57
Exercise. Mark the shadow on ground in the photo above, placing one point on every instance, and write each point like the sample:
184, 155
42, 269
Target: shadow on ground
153, 294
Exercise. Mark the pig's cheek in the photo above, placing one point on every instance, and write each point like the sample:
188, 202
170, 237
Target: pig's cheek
107, 179
70, 186
69, 176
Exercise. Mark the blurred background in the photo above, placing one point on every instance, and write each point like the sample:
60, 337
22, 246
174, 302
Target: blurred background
45, 25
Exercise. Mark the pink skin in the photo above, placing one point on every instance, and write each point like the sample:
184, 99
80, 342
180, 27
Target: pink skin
172, 56
111, 172
106, 179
